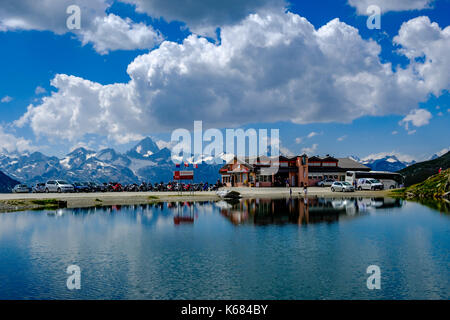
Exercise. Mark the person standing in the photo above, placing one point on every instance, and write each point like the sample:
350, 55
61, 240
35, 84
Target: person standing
440, 169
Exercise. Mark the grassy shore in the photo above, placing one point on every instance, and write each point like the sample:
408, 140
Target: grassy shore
436, 187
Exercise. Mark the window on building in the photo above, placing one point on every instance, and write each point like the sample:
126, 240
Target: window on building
330, 164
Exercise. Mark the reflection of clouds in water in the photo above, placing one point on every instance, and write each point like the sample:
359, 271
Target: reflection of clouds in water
11, 223
419, 249
137, 252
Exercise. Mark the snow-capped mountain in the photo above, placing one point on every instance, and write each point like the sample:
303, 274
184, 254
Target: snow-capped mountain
385, 163
144, 149
144, 162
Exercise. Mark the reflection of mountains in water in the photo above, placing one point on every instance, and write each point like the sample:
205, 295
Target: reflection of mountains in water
302, 211
182, 212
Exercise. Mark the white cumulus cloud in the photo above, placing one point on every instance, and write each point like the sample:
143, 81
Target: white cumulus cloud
312, 134
106, 32
6, 99
417, 117
39, 90
11, 143
114, 33
310, 150
267, 68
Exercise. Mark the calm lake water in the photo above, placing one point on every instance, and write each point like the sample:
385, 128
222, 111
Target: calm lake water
252, 249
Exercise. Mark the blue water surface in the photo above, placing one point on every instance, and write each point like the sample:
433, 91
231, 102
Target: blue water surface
249, 249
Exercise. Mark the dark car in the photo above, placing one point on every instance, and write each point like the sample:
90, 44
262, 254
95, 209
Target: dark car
81, 187
95, 187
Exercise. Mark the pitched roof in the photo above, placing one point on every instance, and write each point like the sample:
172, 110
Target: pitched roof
348, 163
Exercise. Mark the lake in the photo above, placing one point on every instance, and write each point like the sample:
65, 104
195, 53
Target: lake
249, 249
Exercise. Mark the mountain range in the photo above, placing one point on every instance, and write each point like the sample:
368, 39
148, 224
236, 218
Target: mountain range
144, 162
387, 162
147, 162
422, 170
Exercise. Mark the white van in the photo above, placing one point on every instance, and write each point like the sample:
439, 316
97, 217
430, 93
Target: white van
369, 184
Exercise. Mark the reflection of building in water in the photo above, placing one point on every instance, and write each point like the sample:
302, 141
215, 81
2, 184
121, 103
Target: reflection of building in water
300, 211
185, 212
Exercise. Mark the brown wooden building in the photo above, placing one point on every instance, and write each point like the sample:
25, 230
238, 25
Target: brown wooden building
266, 172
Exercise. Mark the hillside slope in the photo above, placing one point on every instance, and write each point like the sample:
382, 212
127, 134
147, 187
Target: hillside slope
435, 187
6, 183
422, 170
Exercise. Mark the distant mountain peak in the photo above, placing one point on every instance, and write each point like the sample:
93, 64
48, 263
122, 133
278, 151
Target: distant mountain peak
144, 149
386, 162
80, 151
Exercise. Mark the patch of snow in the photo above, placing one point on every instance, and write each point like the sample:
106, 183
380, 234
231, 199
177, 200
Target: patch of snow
91, 155
65, 162
137, 164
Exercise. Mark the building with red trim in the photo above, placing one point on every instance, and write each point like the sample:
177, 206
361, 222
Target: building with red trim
322, 168
294, 171
266, 172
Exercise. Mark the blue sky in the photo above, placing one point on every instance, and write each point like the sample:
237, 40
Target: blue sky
149, 86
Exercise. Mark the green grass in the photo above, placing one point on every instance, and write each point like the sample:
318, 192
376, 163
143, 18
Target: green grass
49, 203
153, 197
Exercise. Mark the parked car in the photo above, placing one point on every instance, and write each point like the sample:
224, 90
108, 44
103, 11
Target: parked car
369, 184
38, 188
58, 186
342, 186
21, 188
81, 187
95, 187
325, 183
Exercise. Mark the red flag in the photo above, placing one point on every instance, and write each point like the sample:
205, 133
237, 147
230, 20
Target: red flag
196, 166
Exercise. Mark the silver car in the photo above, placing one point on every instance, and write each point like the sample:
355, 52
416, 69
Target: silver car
342, 186
58, 186
21, 188
325, 183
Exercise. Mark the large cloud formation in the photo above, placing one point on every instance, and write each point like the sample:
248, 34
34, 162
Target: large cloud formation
269, 67
105, 31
